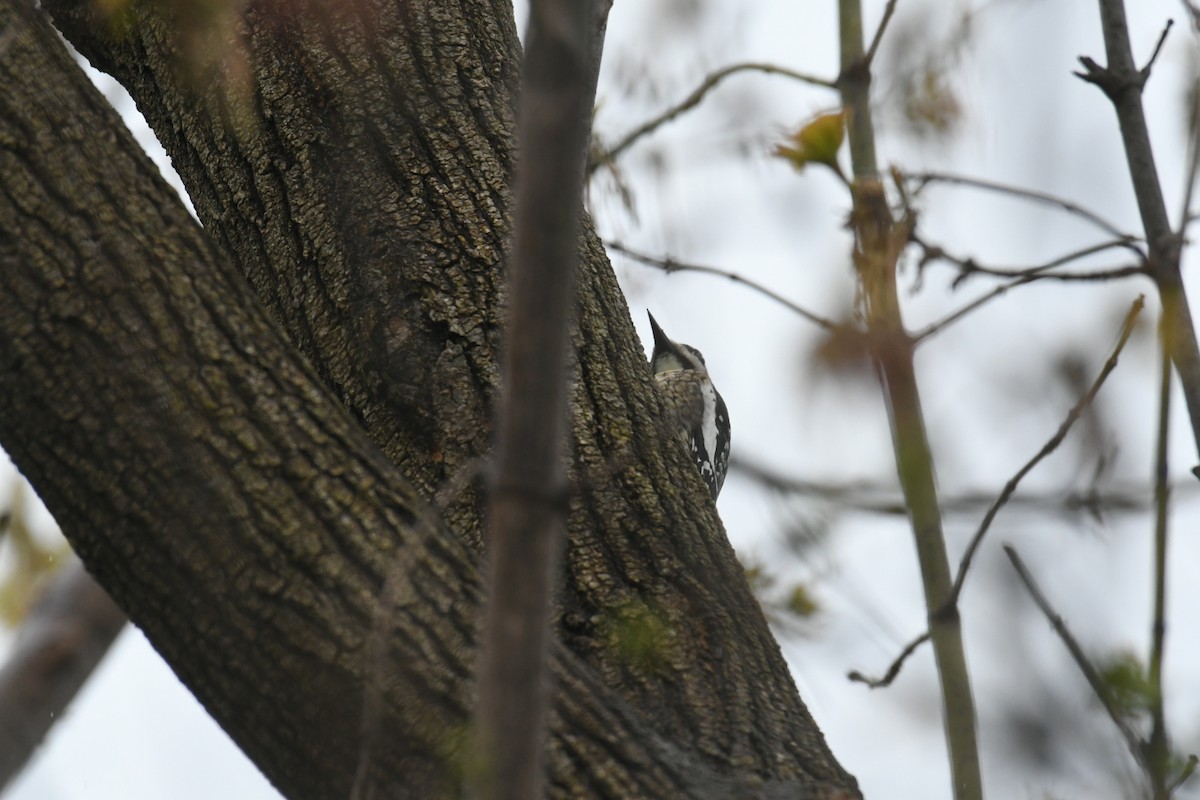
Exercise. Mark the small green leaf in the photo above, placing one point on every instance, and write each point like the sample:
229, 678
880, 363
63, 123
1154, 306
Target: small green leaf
1125, 685
817, 142
801, 603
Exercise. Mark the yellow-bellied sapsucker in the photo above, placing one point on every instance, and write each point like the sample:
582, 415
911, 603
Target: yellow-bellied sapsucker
689, 393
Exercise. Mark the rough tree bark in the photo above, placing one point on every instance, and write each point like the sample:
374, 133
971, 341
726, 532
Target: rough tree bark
263, 437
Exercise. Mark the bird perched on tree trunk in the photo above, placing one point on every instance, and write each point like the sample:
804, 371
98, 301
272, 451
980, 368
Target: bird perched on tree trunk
689, 394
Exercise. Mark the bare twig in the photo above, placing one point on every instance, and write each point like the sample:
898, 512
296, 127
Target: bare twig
668, 265
1162, 39
1184, 774
1034, 274
894, 669
1193, 167
888, 10
1049, 447
1081, 660
692, 100
1158, 746
1193, 160
969, 266
925, 178
999, 291
947, 321
879, 498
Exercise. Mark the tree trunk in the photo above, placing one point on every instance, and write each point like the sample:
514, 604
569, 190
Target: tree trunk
266, 437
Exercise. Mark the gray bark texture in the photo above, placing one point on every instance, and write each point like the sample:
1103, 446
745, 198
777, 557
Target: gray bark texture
267, 437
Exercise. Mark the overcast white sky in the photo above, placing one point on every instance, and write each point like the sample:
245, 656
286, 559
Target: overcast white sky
708, 191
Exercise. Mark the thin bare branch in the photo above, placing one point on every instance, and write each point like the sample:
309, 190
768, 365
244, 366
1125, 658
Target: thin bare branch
1081, 660
1162, 39
692, 100
888, 10
668, 265
1158, 746
1193, 167
925, 178
968, 266
1085, 276
1184, 774
1096, 276
894, 669
947, 321
870, 497
1193, 147
1049, 447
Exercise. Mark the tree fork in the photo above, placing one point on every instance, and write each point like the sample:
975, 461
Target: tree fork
212, 478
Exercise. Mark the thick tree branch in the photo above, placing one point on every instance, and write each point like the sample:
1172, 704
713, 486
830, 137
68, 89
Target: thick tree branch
207, 474
250, 504
1122, 82
367, 208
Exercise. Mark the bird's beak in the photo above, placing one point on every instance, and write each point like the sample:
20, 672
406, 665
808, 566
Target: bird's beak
661, 341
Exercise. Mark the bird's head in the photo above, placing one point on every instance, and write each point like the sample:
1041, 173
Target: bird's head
669, 356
